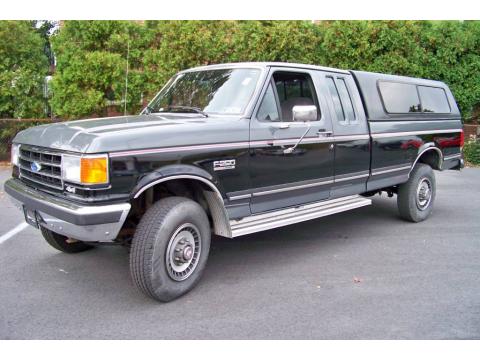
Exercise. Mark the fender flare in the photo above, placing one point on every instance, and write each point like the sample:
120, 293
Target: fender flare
428, 147
221, 222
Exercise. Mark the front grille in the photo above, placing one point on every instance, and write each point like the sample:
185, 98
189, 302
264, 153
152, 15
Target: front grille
48, 176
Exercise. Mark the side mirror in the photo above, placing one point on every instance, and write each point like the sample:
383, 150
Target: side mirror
304, 113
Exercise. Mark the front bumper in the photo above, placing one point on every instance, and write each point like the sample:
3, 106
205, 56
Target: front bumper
86, 223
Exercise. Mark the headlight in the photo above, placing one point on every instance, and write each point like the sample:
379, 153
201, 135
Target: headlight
88, 170
15, 153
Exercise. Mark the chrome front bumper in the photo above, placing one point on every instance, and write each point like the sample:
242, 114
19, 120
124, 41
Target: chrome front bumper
87, 223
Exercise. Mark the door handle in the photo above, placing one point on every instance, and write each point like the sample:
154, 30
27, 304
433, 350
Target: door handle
281, 126
323, 132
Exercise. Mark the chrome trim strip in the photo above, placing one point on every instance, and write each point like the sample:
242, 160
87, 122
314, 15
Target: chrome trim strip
214, 199
391, 170
440, 156
351, 178
442, 120
338, 138
281, 142
179, 148
239, 197
297, 187
308, 140
193, 177
291, 188
451, 157
240, 144
295, 214
410, 133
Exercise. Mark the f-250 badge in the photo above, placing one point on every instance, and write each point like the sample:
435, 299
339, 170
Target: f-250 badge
223, 165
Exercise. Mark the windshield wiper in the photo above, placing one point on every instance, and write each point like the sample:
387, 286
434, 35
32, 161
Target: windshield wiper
186, 108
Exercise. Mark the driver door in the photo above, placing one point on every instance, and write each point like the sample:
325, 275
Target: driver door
285, 171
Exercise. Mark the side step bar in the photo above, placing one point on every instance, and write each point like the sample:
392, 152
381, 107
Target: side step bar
296, 214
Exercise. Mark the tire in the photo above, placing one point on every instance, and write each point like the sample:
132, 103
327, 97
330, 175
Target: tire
157, 242
416, 197
62, 243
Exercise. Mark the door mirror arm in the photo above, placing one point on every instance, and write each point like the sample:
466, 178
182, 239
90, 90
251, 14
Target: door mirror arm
292, 148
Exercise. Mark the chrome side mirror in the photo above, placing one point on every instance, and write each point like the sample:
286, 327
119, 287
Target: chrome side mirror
304, 113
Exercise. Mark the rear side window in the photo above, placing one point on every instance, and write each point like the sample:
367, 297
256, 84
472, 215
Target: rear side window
336, 99
341, 99
433, 99
399, 98
346, 100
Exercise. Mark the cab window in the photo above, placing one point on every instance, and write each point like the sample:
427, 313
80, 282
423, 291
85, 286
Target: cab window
342, 102
294, 89
268, 110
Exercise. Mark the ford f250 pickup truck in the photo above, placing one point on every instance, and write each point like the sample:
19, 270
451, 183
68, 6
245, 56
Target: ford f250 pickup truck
233, 149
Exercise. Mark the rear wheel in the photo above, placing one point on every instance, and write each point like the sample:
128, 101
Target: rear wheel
63, 243
170, 248
416, 197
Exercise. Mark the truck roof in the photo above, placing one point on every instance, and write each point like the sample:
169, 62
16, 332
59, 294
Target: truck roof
357, 73
267, 64
367, 83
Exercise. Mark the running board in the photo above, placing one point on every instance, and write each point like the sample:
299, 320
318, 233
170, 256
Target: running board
296, 214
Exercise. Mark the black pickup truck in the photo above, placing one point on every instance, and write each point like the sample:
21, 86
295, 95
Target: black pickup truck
234, 149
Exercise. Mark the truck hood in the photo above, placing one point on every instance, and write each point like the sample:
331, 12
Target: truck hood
132, 132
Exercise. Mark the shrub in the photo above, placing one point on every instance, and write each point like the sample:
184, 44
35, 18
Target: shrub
471, 151
91, 55
23, 66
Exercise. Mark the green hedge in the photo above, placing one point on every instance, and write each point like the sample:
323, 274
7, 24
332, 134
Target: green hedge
23, 67
91, 55
471, 151
9, 128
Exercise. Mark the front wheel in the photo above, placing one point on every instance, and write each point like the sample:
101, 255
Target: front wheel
170, 248
416, 197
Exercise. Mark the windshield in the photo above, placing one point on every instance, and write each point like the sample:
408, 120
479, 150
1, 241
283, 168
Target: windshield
222, 91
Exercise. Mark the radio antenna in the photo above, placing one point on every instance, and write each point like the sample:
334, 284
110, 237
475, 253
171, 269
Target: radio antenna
126, 81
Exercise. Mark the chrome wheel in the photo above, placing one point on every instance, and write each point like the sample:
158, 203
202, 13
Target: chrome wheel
424, 193
183, 252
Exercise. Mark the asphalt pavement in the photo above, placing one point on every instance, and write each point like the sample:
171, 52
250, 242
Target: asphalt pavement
362, 274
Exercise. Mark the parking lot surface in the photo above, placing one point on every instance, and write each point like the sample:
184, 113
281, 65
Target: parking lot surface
363, 274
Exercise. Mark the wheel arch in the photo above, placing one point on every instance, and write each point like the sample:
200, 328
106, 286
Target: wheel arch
431, 155
211, 193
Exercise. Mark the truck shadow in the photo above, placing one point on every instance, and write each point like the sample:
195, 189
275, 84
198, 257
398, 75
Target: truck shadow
267, 250
104, 272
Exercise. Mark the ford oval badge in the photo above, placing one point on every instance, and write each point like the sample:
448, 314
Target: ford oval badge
35, 166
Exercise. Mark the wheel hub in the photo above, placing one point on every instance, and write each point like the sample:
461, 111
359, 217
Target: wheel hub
183, 252
424, 193
187, 253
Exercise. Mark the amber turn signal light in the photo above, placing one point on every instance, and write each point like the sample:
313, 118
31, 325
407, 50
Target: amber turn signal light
94, 170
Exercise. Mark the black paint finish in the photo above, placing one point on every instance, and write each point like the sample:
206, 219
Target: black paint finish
371, 151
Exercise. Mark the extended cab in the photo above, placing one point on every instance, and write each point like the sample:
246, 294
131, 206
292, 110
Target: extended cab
231, 150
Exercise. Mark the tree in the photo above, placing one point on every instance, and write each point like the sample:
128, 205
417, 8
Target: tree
46, 29
91, 67
23, 66
92, 55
